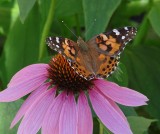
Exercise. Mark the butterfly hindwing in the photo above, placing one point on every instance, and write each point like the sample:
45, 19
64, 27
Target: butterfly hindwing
81, 70
107, 66
64, 46
112, 43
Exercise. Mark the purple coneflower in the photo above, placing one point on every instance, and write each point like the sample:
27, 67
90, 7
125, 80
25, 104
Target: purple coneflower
58, 103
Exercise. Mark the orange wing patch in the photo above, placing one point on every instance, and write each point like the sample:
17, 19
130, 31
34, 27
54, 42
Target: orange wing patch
114, 45
108, 65
64, 46
108, 44
81, 70
69, 49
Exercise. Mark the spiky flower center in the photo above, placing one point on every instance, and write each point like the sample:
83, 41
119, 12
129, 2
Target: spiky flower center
64, 76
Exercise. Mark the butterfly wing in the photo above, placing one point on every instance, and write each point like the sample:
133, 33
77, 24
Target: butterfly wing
71, 51
107, 66
64, 46
112, 43
82, 71
109, 45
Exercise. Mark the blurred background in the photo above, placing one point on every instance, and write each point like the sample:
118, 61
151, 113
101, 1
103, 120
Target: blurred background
25, 24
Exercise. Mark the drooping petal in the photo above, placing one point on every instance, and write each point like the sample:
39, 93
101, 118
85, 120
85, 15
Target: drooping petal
28, 103
27, 73
51, 120
121, 95
85, 123
32, 121
107, 114
115, 106
68, 116
15, 92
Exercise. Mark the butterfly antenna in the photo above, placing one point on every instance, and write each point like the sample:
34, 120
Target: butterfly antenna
69, 29
91, 26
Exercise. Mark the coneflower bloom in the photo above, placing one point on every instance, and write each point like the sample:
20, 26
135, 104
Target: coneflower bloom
58, 102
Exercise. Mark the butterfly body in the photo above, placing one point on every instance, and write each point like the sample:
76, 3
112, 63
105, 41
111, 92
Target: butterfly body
96, 58
87, 61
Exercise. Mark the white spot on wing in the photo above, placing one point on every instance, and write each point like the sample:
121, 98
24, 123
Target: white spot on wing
55, 49
50, 38
126, 28
57, 46
57, 39
123, 37
116, 31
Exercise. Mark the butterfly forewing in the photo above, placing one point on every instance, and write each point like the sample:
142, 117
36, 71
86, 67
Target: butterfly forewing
64, 46
112, 43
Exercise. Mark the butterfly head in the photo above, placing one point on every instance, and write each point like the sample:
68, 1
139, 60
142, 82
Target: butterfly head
82, 44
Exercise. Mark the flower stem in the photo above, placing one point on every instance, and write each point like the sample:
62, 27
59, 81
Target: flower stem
47, 25
100, 128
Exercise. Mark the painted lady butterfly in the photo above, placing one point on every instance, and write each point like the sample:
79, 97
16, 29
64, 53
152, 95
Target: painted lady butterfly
96, 58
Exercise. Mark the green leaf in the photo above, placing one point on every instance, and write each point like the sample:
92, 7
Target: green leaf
142, 63
135, 7
7, 113
46, 28
8, 15
120, 75
44, 6
154, 17
139, 125
22, 44
101, 11
142, 32
68, 8
103, 129
128, 111
25, 7
3, 77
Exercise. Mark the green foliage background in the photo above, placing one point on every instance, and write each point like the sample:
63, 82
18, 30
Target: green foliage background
24, 25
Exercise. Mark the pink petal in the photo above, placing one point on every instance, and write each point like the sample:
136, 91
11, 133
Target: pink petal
121, 95
85, 123
107, 114
29, 72
115, 106
68, 116
28, 103
51, 121
32, 121
20, 90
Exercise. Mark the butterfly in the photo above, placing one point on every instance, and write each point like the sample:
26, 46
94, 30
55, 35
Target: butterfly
96, 58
